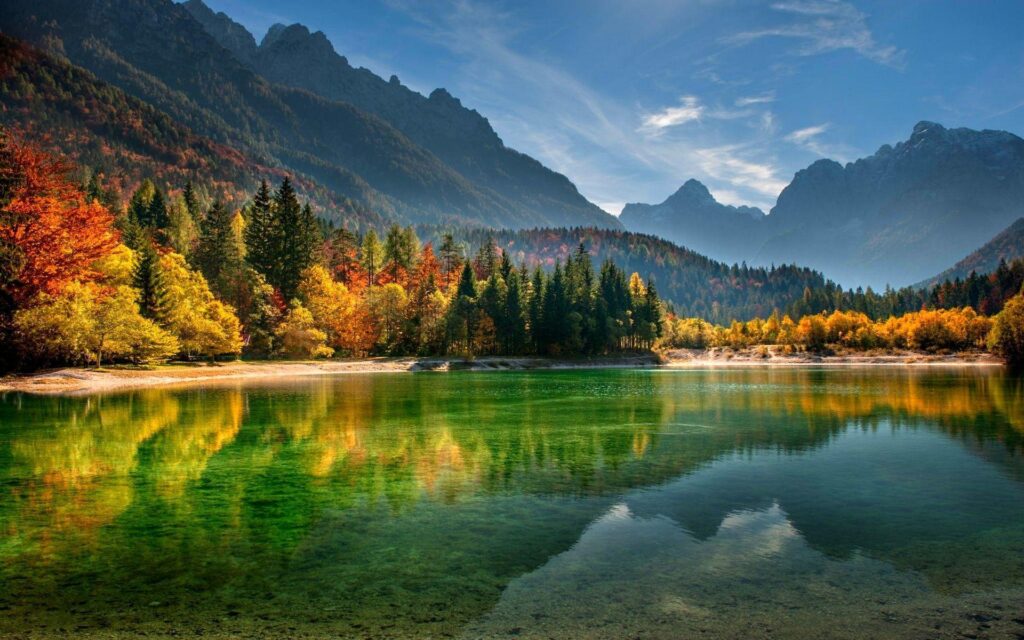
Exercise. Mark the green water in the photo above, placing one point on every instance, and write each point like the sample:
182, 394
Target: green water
598, 504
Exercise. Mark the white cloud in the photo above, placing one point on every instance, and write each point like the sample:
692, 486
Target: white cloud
575, 129
803, 136
747, 101
827, 25
729, 163
689, 110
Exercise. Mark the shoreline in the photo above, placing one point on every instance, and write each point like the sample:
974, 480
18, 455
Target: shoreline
81, 381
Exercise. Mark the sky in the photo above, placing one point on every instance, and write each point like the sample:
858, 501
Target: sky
630, 98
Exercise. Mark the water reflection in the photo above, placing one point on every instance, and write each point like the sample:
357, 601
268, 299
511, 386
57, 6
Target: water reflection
406, 504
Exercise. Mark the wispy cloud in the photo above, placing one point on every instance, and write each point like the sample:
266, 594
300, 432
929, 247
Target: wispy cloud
728, 163
803, 136
747, 101
574, 128
689, 110
827, 25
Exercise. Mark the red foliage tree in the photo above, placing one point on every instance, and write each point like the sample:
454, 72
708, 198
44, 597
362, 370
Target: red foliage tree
46, 219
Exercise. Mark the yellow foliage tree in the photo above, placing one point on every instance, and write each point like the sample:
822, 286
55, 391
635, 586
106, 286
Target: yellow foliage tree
86, 323
298, 336
203, 325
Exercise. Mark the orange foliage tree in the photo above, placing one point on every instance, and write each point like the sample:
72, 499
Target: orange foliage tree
46, 220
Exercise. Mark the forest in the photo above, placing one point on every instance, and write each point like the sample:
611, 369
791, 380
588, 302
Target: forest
85, 280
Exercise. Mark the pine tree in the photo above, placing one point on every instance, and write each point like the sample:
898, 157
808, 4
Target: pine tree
535, 312
191, 201
218, 256
486, 261
147, 279
156, 212
296, 241
451, 259
513, 315
261, 233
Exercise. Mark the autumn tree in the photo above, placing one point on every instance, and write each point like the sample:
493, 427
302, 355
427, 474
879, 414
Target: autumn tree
298, 336
50, 233
1007, 337
203, 325
88, 324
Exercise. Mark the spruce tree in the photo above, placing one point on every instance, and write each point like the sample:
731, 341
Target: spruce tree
260, 232
217, 255
147, 279
296, 240
156, 212
486, 261
451, 258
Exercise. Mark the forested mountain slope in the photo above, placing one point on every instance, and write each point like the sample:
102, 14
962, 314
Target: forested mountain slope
105, 131
156, 51
460, 137
1007, 246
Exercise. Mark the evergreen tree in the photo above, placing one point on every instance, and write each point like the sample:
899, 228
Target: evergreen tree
147, 279
191, 201
261, 232
401, 246
218, 255
486, 261
535, 312
297, 240
371, 256
513, 315
156, 212
451, 259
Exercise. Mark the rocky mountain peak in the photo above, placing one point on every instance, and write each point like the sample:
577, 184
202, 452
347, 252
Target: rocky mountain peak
693, 191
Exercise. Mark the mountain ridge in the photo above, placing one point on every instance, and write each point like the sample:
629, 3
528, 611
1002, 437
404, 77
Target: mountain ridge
895, 217
296, 56
156, 51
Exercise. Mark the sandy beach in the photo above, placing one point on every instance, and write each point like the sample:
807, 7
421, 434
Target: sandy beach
84, 380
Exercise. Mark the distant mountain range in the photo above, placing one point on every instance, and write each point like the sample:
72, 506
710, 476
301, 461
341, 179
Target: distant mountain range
896, 217
357, 135
1007, 246
708, 227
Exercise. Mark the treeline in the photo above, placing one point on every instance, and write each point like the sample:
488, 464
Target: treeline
173, 277
932, 330
927, 330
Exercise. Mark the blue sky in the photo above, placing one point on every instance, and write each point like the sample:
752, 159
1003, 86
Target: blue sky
630, 98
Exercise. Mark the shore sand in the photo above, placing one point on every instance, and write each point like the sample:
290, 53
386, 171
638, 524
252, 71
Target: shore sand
84, 380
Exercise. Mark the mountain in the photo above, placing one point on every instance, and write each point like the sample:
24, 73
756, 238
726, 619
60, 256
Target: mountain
460, 137
693, 218
1007, 246
100, 128
905, 212
155, 51
895, 217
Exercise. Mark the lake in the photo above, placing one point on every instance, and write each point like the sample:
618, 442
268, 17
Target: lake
730, 503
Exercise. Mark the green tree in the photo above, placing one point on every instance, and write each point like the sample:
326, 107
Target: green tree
371, 256
218, 255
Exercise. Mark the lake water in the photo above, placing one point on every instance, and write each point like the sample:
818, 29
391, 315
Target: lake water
739, 503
